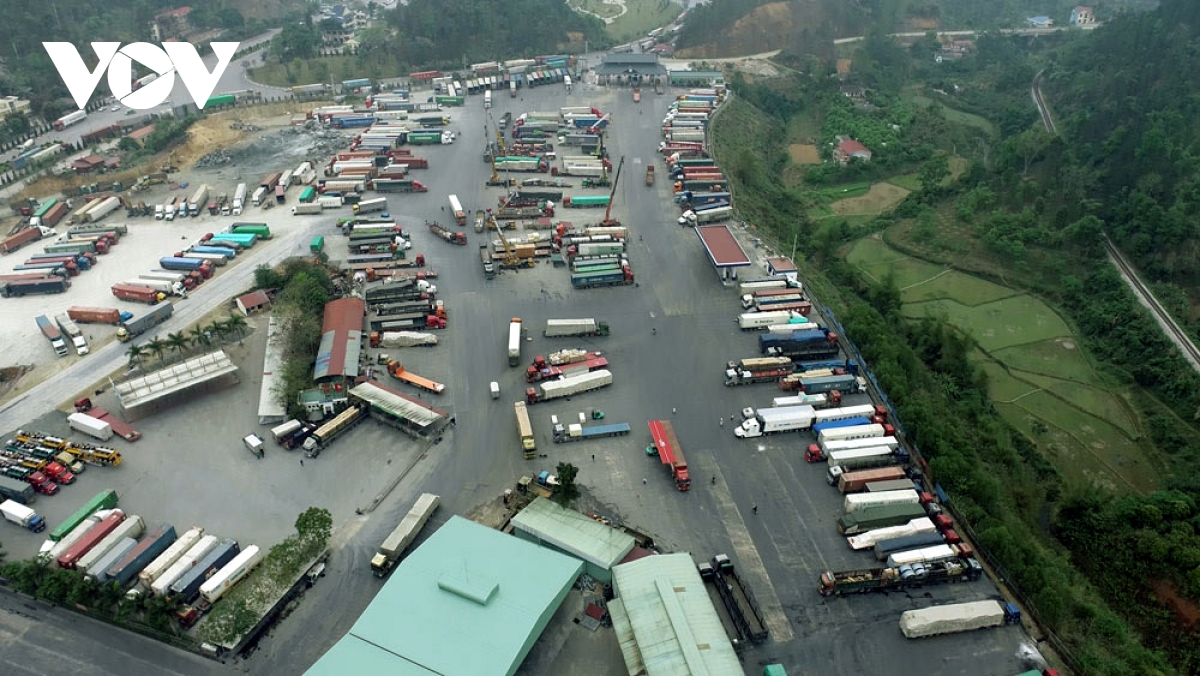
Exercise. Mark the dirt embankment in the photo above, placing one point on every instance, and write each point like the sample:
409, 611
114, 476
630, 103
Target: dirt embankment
797, 26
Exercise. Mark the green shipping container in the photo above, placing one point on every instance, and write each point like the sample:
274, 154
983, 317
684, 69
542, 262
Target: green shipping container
449, 100
308, 194
220, 100
45, 208
317, 244
589, 201
103, 500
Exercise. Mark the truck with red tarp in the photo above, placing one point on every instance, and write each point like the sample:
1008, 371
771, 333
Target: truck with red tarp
666, 445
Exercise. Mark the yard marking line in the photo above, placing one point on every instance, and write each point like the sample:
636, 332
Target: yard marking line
748, 559
926, 281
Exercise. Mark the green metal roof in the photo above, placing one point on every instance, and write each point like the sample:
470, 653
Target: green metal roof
470, 601
574, 533
672, 618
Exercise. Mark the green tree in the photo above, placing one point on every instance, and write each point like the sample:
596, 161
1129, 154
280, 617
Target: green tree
267, 277
199, 337
933, 173
296, 41
16, 124
568, 491
177, 341
315, 524
236, 324
157, 347
136, 352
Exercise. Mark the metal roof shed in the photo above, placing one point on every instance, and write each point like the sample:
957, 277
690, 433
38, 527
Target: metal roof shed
665, 621
470, 601
722, 248
177, 378
270, 408
341, 339
601, 547
396, 407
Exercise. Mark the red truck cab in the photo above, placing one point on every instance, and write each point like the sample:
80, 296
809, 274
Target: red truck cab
814, 453
41, 483
60, 474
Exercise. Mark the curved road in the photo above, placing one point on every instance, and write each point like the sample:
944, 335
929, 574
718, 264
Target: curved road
1036, 91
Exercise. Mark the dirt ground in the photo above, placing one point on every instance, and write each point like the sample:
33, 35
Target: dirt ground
881, 197
843, 66
804, 154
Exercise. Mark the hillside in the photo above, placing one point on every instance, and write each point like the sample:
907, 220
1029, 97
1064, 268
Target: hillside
735, 27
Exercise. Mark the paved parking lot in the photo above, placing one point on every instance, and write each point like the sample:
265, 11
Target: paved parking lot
191, 467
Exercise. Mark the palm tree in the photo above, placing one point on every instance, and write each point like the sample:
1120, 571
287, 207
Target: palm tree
200, 337
236, 324
177, 341
136, 352
218, 327
157, 347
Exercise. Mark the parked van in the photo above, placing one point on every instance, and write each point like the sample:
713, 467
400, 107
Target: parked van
254, 444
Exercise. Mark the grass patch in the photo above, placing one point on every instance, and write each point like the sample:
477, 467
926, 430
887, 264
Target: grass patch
1003, 323
804, 127
1056, 358
640, 16
961, 288
803, 153
953, 114
323, 69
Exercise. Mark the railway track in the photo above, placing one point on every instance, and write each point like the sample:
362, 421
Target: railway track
1177, 335
1040, 101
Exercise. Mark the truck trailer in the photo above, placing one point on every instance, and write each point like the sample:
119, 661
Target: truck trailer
569, 386
957, 617
899, 578
560, 328
404, 534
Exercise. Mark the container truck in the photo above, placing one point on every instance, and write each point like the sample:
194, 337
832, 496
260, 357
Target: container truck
757, 370
162, 584
135, 327
525, 430
90, 426
514, 342
870, 538
957, 617
854, 432
559, 328
119, 427
188, 585
229, 575
775, 420
186, 264
900, 578
670, 453
169, 557
852, 482
399, 372
569, 386
198, 200
52, 334
857, 502
217, 260
69, 119
844, 383
368, 206
126, 568
138, 293
72, 332
104, 208
312, 209
331, 430
397, 185
15, 512
239, 201
98, 572
404, 534
48, 284
736, 597
759, 321
878, 517
691, 217
90, 539
74, 535
851, 459
891, 485
885, 548
15, 490
130, 527
577, 432
930, 554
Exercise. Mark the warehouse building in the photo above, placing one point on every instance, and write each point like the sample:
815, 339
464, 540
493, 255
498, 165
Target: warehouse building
630, 69
470, 601
665, 620
341, 341
600, 546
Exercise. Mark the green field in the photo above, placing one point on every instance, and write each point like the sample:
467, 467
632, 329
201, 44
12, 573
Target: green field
953, 114
639, 18
322, 69
1038, 379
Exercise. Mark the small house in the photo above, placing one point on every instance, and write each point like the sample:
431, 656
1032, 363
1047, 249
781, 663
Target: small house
255, 301
1039, 22
87, 164
1083, 17
847, 149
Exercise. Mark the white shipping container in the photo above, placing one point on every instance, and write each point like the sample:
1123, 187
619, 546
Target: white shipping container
161, 585
870, 538
859, 444
215, 587
951, 618
131, 527
837, 458
281, 432
858, 501
923, 555
168, 558
81, 422
850, 433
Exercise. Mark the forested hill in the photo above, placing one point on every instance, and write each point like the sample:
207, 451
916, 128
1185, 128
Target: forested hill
433, 31
1128, 104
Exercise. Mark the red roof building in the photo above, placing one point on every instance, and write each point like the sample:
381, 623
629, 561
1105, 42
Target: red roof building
847, 149
85, 165
341, 340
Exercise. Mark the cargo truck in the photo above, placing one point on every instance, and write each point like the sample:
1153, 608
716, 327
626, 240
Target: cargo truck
514, 342
870, 538
957, 617
162, 584
331, 430
891, 485
229, 575
878, 517
885, 548
52, 334
852, 482
15, 512
760, 321
670, 453
736, 597
559, 328
74, 535
404, 534
900, 578
858, 502
15, 490
198, 200
168, 558
90, 539
48, 284
930, 554
525, 430
851, 459
119, 427
90, 426
93, 315
404, 375
126, 568
72, 331
130, 527
485, 259
776, 420
757, 370
569, 386
132, 328
577, 432
459, 238
188, 585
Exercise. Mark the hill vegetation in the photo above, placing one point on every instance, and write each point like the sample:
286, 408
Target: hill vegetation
1112, 570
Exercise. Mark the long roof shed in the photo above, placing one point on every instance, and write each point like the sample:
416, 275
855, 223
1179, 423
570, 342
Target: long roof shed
341, 339
398, 409
665, 620
599, 546
174, 379
470, 601
722, 248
